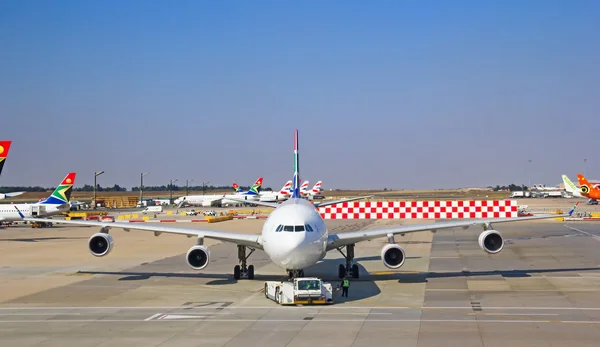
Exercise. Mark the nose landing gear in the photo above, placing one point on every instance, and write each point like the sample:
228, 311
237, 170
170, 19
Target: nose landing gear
295, 273
243, 270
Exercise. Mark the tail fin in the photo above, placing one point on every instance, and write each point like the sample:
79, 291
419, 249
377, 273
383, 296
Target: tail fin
586, 187
237, 188
317, 188
62, 193
296, 180
4, 147
287, 187
570, 187
256, 186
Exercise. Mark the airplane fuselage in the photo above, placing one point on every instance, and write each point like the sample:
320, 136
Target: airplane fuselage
291, 249
8, 212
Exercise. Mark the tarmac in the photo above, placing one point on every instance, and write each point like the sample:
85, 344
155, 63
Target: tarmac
541, 290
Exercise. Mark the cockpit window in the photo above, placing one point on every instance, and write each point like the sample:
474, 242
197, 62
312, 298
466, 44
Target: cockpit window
308, 227
299, 228
288, 228
279, 228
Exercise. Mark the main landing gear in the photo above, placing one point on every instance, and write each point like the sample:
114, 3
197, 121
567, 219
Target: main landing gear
349, 269
243, 270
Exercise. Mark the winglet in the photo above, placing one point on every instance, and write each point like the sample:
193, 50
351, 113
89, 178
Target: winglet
573, 209
20, 214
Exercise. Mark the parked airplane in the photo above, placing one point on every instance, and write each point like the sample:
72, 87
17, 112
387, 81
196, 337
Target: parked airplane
199, 200
4, 148
295, 236
251, 195
281, 195
56, 203
587, 189
570, 187
316, 189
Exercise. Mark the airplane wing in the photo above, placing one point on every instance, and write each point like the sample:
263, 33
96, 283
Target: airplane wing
249, 240
351, 237
327, 203
317, 205
256, 202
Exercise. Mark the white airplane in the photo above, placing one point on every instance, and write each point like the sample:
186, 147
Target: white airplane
281, 195
199, 200
4, 148
295, 236
56, 203
316, 189
251, 195
570, 187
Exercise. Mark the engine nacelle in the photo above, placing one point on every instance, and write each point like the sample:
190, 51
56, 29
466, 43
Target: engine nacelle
491, 241
100, 244
198, 257
392, 256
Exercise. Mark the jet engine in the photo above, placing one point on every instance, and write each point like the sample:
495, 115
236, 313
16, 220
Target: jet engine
491, 241
198, 257
100, 244
392, 256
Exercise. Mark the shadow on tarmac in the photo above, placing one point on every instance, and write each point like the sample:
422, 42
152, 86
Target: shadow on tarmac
38, 239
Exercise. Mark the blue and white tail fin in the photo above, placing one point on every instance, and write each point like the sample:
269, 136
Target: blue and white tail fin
296, 180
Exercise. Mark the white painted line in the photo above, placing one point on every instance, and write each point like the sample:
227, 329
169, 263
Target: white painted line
583, 232
152, 317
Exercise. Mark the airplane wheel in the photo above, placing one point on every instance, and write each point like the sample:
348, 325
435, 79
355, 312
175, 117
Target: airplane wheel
355, 273
250, 272
342, 271
236, 272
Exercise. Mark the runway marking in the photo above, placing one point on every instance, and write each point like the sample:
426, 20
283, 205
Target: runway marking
153, 316
595, 237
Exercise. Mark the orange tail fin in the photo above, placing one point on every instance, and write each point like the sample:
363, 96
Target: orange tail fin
587, 189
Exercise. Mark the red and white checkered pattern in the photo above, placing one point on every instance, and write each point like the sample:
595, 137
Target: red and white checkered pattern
449, 209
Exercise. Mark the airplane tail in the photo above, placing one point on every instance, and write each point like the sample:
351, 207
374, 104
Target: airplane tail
570, 187
317, 187
296, 180
586, 187
237, 188
287, 187
4, 147
256, 186
304, 187
62, 193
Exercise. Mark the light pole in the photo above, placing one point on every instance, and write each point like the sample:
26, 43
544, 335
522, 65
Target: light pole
584, 165
96, 174
171, 190
204, 187
529, 173
186, 186
142, 185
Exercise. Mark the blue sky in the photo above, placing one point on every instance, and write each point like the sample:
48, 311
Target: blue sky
396, 94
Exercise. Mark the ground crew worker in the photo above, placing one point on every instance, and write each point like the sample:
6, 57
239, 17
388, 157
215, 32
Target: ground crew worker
345, 286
